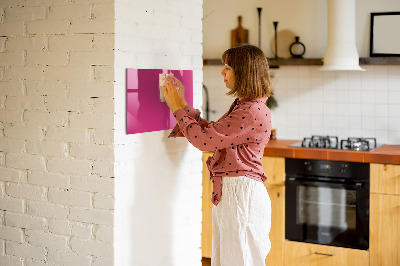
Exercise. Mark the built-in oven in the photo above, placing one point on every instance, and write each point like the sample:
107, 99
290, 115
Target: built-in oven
327, 202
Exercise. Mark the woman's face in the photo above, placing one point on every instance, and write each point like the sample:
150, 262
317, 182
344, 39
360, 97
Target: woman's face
229, 76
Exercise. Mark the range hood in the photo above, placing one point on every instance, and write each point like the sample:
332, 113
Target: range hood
341, 51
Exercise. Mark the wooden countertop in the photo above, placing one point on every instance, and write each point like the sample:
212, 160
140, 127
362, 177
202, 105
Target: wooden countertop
389, 154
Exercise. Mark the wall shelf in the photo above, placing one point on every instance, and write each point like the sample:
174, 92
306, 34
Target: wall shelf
274, 63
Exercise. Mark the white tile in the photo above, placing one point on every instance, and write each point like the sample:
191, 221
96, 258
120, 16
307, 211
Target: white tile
381, 84
342, 96
317, 120
316, 72
381, 123
329, 122
342, 133
303, 82
367, 83
355, 96
394, 110
304, 109
342, 122
369, 70
291, 71
293, 120
292, 82
355, 109
304, 72
355, 132
381, 97
368, 110
317, 131
317, 107
317, 95
394, 123
354, 82
381, 71
394, 97
342, 109
368, 122
382, 110
316, 82
394, 137
394, 70
355, 122
367, 96
329, 109
278, 83
329, 95
367, 133
394, 83
328, 74
342, 81
382, 136
331, 131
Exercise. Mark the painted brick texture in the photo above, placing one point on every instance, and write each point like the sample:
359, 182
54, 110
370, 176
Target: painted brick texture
157, 180
56, 132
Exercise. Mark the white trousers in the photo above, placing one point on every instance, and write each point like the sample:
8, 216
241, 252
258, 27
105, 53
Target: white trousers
241, 223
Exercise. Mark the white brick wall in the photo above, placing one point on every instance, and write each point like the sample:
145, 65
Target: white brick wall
59, 126
56, 132
156, 177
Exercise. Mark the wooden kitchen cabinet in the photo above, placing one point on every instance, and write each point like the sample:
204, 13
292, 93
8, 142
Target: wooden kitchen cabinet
384, 236
274, 168
206, 225
385, 178
305, 254
277, 233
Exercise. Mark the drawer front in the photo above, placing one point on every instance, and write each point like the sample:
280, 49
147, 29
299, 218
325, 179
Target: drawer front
298, 253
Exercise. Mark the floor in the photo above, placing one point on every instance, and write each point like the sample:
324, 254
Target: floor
206, 261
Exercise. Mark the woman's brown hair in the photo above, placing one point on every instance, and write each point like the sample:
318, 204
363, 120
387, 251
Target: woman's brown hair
250, 66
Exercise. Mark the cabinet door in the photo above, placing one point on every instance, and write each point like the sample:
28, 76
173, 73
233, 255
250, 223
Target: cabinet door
277, 233
206, 226
384, 229
385, 178
274, 168
305, 254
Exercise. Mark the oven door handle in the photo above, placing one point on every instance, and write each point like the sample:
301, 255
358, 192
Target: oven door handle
357, 185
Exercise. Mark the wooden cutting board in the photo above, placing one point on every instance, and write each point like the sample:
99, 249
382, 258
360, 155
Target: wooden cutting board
239, 35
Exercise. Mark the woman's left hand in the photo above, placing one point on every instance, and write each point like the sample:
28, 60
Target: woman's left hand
171, 96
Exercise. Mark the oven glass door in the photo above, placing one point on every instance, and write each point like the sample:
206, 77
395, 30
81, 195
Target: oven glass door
326, 213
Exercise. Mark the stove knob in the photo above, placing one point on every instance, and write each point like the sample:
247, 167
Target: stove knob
343, 168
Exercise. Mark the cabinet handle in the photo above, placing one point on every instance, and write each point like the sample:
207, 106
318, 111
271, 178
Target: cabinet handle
325, 254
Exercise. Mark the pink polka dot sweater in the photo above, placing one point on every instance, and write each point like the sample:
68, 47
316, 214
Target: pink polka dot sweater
238, 139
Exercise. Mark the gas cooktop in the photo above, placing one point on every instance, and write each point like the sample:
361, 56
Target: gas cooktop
332, 142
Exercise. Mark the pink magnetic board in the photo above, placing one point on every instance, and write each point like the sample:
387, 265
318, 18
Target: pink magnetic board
144, 110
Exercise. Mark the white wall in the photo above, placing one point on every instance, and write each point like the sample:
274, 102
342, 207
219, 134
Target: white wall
158, 180
56, 132
344, 103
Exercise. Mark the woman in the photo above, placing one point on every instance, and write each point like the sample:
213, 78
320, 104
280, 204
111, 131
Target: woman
242, 209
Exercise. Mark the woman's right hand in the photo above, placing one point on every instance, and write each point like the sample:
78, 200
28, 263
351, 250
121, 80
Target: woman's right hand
181, 91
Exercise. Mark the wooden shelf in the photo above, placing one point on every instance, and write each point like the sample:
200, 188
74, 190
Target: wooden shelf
380, 61
274, 63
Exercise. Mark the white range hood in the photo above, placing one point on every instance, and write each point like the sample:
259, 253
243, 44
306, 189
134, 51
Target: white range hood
341, 51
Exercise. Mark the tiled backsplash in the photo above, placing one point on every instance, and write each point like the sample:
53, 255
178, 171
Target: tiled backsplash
313, 102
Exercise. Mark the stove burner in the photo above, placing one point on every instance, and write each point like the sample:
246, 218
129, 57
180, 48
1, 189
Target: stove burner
358, 144
332, 142
328, 142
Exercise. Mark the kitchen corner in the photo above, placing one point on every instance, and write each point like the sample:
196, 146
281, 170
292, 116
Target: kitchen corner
381, 194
